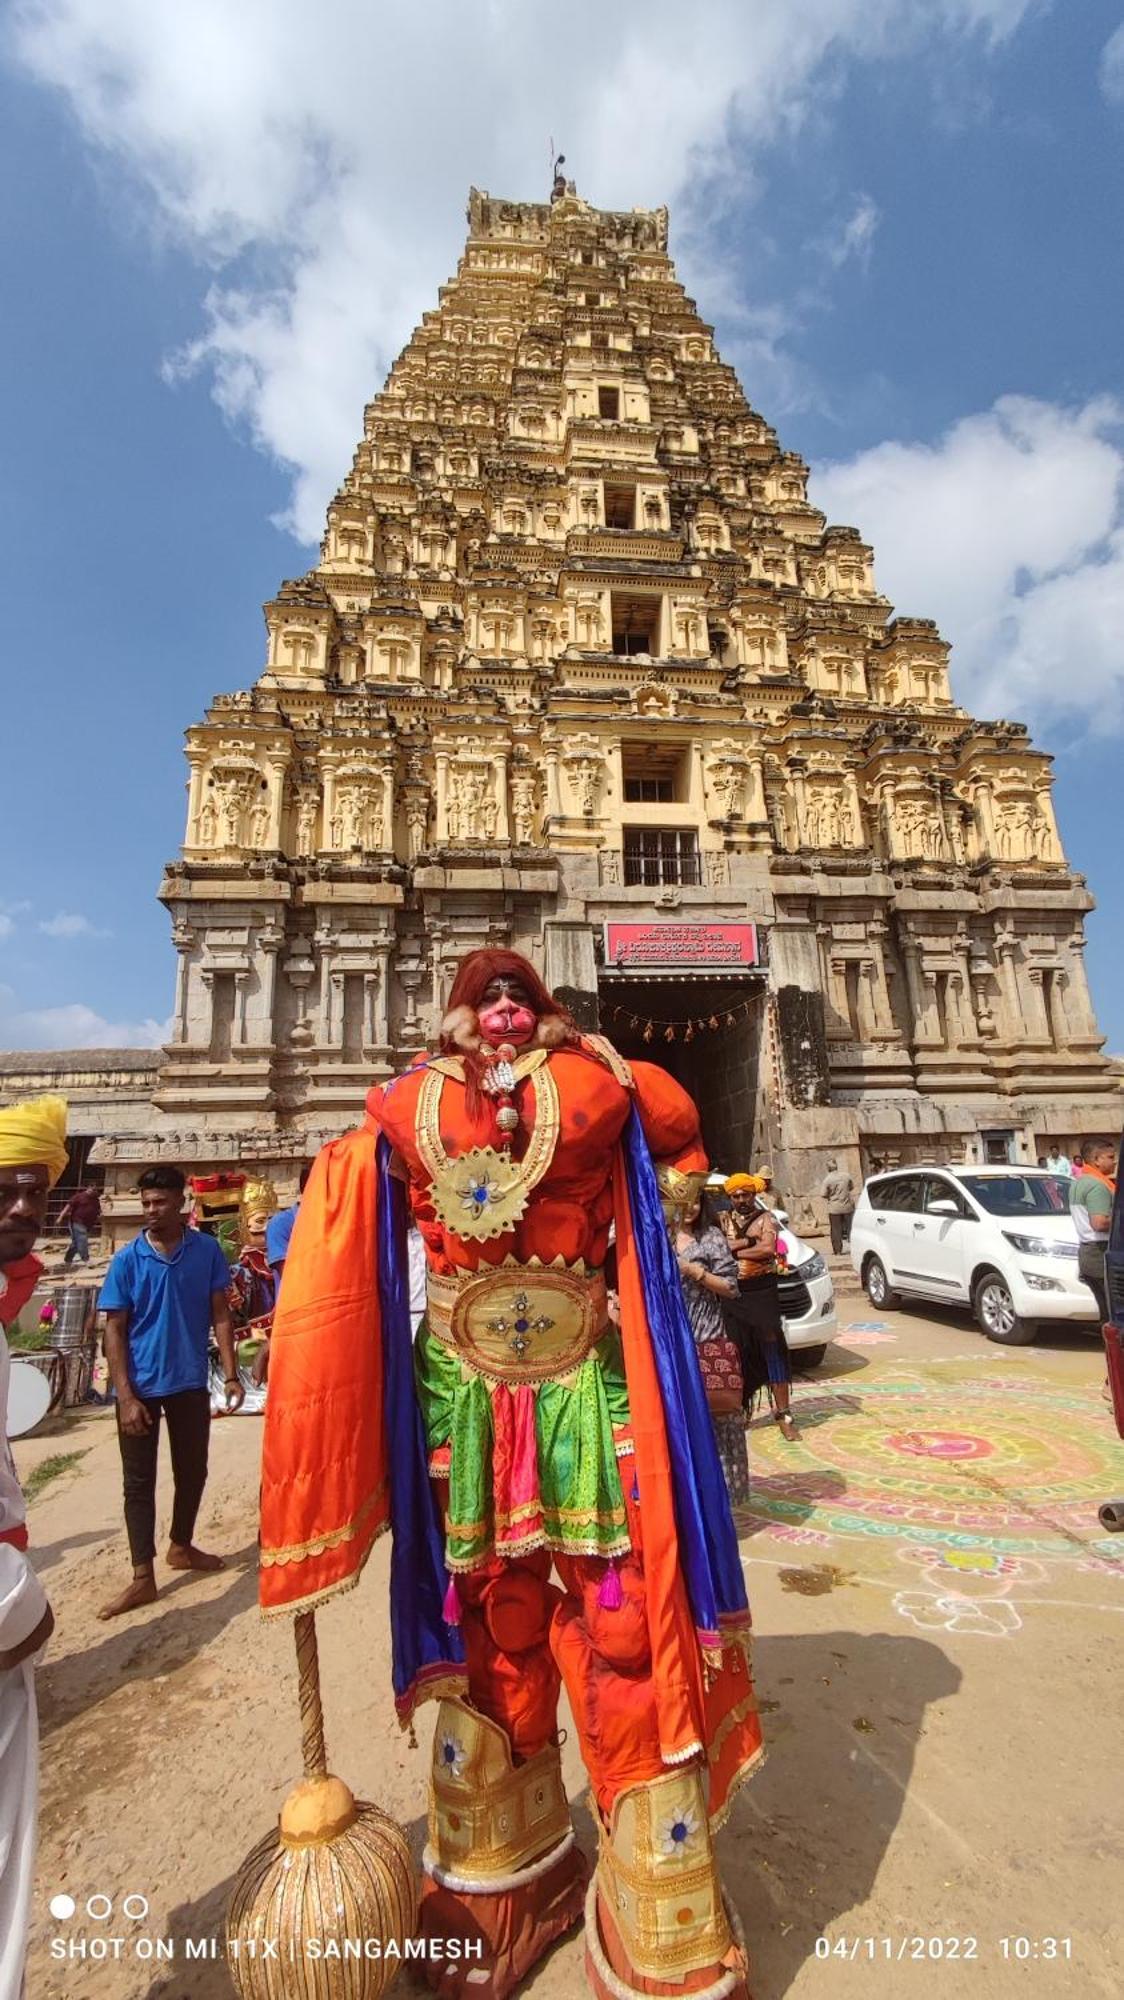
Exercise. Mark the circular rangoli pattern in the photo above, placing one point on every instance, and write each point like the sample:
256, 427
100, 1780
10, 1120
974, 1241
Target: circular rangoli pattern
1009, 1465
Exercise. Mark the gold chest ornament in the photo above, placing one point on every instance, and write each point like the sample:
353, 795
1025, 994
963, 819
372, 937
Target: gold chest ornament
483, 1193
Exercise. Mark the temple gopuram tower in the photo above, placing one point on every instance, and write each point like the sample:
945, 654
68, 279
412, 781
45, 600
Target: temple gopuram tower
582, 670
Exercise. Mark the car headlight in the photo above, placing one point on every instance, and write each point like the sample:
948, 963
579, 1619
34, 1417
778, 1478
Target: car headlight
813, 1267
1038, 1283
1039, 1246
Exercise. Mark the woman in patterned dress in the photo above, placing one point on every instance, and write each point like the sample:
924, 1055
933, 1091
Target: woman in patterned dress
710, 1276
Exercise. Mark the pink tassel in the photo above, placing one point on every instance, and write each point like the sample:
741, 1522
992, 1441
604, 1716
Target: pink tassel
451, 1609
610, 1597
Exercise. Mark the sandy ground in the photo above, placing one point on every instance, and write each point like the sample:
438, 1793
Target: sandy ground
939, 1634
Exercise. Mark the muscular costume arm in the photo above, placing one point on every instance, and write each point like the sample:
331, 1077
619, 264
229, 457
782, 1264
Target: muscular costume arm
669, 1117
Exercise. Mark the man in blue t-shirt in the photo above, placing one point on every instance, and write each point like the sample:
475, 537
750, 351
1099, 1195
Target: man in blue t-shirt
279, 1228
163, 1295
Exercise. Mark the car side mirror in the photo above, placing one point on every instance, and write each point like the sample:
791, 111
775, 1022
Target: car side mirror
944, 1205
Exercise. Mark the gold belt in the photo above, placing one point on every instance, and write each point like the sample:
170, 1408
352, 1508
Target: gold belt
519, 1322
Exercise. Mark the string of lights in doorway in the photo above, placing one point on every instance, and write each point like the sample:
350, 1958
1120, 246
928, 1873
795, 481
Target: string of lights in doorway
652, 1028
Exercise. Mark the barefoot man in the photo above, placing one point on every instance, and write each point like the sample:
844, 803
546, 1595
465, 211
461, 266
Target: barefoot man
163, 1294
32, 1158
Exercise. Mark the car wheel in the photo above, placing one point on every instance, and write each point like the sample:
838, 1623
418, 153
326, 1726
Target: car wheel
877, 1285
808, 1357
996, 1315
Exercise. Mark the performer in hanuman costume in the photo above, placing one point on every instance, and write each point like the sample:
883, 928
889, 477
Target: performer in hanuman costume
550, 1479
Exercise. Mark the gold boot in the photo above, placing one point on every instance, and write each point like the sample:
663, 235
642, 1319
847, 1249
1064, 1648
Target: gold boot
656, 1911
503, 1876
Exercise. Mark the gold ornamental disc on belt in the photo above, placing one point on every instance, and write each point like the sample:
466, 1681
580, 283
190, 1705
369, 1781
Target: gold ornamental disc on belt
526, 1325
480, 1195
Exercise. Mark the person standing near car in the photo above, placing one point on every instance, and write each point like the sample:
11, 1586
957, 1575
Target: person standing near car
1057, 1162
1091, 1209
164, 1294
754, 1315
838, 1191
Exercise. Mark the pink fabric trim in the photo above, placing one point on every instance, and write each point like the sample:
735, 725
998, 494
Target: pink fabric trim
515, 1465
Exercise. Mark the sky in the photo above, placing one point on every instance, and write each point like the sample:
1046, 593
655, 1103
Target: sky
221, 224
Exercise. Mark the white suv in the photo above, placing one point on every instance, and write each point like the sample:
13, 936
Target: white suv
807, 1298
998, 1239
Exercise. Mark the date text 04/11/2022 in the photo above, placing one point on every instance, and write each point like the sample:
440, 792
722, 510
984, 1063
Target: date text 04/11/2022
1023, 1948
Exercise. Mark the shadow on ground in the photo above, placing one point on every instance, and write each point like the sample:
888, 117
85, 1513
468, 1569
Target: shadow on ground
806, 1837
802, 1848
147, 1645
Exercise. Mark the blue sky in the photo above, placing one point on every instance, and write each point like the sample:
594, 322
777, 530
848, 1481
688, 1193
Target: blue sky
904, 217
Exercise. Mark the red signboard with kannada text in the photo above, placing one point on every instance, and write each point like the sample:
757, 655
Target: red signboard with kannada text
682, 947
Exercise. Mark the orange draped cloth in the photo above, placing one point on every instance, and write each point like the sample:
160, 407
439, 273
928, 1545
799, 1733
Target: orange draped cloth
324, 1487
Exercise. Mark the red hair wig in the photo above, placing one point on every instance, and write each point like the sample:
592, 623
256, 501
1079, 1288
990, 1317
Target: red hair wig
476, 973
460, 1031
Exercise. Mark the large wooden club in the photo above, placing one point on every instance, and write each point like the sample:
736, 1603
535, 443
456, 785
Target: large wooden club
335, 1874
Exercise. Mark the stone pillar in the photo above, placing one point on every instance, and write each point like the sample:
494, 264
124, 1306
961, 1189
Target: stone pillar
880, 991
277, 766
800, 794
241, 991
441, 827
920, 992
195, 759
183, 937
756, 810
1012, 1028
270, 940
386, 818
1083, 1018
554, 784
854, 802
1038, 1022
984, 808
499, 779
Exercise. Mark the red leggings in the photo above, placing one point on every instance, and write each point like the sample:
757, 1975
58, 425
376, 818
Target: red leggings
524, 1635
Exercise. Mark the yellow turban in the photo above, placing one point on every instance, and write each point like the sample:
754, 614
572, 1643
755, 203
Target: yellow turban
33, 1134
739, 1183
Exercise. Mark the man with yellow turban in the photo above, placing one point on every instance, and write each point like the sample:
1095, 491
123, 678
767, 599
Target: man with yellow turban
32, 1158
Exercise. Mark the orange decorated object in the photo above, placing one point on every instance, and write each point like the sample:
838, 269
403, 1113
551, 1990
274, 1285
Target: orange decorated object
325, 1488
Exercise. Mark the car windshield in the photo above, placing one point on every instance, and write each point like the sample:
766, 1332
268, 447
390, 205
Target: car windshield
1019, 1194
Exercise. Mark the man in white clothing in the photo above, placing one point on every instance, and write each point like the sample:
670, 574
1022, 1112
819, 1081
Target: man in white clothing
32, 1157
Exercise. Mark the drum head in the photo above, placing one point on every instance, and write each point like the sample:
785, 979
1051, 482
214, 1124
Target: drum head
29, 1398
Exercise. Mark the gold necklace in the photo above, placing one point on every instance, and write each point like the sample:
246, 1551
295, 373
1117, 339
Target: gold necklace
484, 1193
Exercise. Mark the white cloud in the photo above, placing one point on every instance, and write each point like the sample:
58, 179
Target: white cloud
70, 924
73, 1026
856, 238
318, 175
1010, 532
1112, 67
7, 925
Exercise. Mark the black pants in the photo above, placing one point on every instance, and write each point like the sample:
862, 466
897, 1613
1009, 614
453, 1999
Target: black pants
840, 1227
188, 1417
1091, 1267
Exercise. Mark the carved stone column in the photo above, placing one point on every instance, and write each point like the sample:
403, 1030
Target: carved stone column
984, 807
1009, 986
183, 938
1082, 1004
920, 993
270, 940
756, 810
196, 759
499, 779
880, 992
441, 828
1038, 1023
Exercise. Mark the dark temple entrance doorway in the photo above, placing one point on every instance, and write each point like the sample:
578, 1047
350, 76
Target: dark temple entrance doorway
708, 1034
